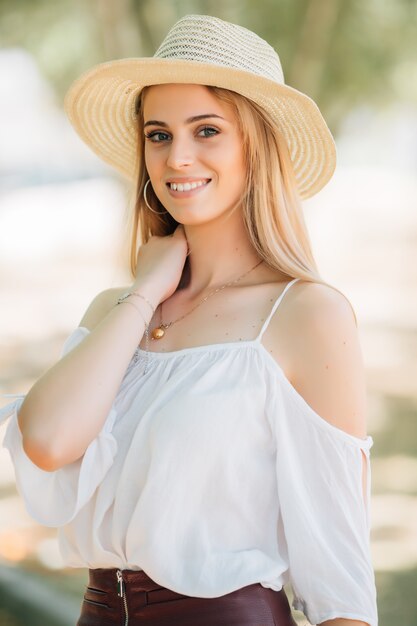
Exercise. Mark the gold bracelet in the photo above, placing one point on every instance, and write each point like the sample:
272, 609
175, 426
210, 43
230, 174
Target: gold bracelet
146, 333
138, 295
138, 310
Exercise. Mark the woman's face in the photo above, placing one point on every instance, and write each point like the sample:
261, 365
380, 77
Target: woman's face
193, 152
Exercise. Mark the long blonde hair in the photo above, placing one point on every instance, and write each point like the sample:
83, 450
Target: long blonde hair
271, 207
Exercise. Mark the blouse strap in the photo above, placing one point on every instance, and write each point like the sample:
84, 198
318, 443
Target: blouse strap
274, 308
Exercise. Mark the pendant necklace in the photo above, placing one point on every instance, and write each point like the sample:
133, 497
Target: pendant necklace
159, 331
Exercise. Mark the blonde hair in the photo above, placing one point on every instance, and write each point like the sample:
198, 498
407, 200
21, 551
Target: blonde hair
271, 207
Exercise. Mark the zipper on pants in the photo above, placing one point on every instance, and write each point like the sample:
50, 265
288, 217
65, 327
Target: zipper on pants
121, 593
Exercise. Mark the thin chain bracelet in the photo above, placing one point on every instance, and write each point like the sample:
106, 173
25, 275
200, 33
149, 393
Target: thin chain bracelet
138, 295
146, 332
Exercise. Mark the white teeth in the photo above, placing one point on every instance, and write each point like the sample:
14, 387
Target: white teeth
187, 186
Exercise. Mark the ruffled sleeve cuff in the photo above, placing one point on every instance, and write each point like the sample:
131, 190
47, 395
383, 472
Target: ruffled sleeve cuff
54, 498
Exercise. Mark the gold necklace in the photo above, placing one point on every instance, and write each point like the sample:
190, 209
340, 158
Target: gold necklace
159, 331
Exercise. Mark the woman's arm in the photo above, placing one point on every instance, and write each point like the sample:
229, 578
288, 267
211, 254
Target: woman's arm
326, 366
343, 622
66, 408
319, 344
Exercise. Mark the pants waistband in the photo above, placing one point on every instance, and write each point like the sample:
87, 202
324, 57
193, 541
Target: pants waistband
111, 580
116, 596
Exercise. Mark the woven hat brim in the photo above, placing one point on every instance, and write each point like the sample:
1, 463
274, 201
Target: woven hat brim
101, 106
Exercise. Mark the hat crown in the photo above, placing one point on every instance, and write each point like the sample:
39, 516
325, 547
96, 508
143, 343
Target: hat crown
210, 40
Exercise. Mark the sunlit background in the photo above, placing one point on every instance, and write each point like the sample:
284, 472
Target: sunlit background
62, 235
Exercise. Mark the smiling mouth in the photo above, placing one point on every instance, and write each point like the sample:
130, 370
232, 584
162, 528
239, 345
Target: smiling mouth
188, 186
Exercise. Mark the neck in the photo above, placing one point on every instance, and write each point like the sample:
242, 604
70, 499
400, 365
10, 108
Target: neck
217, 255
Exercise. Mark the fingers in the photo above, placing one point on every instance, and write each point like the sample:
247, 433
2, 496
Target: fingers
179, 231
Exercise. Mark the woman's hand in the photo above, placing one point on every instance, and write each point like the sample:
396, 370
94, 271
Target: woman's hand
160, 264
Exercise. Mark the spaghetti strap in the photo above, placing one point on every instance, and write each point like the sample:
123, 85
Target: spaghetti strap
274, 308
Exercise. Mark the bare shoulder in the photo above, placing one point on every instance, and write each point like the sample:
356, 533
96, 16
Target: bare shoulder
317, 303
306, 308
323, 354
321, 324
100, 306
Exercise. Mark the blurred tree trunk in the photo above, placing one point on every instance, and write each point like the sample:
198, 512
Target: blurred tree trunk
310, 58
149, 44
117, 28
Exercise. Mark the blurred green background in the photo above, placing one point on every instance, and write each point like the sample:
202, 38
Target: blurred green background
340, 52
62, 235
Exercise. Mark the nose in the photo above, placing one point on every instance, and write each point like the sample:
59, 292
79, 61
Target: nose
180, 153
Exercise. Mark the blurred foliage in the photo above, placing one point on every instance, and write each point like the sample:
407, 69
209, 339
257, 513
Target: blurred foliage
340, 52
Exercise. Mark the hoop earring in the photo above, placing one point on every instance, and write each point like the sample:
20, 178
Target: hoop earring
146, 200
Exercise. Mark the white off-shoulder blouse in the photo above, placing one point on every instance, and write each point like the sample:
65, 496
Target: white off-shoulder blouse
211, 473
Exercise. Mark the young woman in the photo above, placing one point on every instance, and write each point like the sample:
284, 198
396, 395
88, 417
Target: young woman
202, 440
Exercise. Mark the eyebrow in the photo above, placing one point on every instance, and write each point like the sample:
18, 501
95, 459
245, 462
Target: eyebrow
190, 120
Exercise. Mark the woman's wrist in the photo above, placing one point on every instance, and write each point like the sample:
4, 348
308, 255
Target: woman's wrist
145, 315
128, 296
147, 292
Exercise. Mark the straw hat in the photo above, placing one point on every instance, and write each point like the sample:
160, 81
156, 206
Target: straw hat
200, 49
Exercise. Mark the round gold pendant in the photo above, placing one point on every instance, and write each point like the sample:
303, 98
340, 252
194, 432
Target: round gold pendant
158, 333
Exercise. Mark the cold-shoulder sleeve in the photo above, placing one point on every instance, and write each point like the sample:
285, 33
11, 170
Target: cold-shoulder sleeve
324, 513
54, 498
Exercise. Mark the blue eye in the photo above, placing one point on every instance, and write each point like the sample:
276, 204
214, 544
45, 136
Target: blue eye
152, 136
209, 131
158, 136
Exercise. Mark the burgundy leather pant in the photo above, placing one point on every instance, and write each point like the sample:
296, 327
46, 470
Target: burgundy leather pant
130, 598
